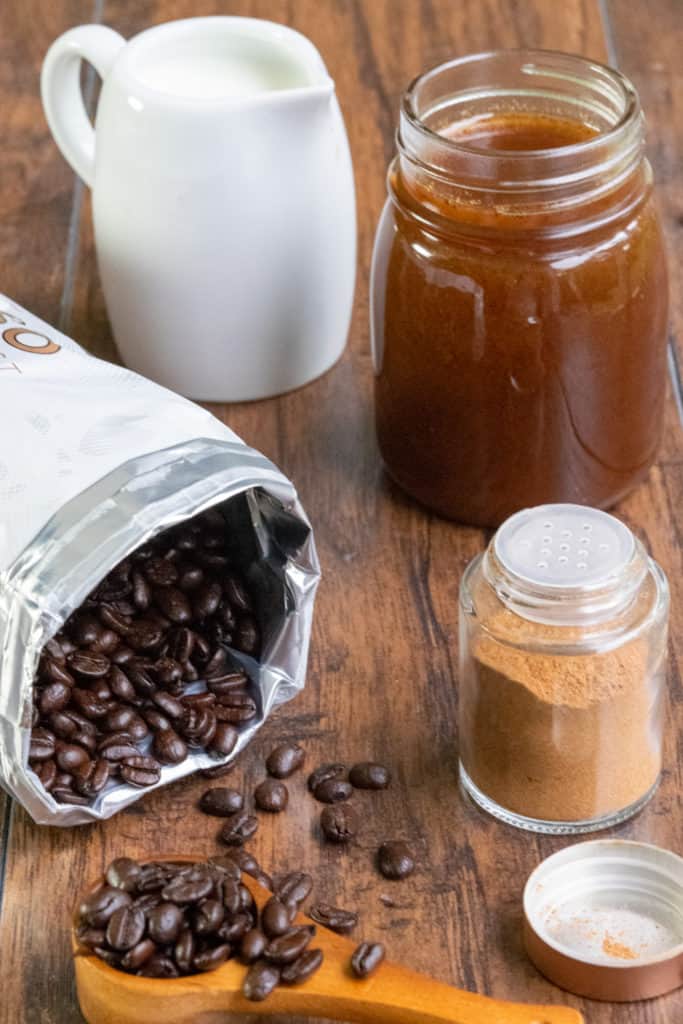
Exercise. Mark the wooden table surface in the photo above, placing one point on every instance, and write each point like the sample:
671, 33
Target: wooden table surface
382, 679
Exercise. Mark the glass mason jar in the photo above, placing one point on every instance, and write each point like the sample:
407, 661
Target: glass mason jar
519, 290
563, 640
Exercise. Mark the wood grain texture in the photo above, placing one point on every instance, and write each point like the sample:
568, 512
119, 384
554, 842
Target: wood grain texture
383, 679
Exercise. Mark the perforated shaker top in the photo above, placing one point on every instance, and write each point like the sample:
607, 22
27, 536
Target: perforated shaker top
564, 546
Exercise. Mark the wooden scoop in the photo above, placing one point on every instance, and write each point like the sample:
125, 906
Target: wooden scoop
392, 995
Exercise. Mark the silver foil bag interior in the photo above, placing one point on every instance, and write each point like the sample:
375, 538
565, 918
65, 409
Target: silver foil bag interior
98, 461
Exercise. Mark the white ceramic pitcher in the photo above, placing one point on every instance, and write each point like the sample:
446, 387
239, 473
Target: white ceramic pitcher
223, 200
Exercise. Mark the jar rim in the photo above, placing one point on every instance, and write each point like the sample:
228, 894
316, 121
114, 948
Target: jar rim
631, 104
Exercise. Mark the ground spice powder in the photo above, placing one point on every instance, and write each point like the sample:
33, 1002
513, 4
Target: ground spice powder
558, 737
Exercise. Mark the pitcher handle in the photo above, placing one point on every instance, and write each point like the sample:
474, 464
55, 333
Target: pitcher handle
61, 91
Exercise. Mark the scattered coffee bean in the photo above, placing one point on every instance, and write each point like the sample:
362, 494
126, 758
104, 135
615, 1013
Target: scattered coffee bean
271, 796
334, 918
221, 801
260, 981
253, 946
339, 823
285, 949
294, 888
333, 791
322, 774
303, 968
275, 918
395, 860
284, 760
369, 775
366, 958
238, 829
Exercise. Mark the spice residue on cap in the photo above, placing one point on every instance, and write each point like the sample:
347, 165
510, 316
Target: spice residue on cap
612, 947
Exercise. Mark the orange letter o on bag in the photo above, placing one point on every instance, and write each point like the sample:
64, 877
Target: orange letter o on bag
11, 337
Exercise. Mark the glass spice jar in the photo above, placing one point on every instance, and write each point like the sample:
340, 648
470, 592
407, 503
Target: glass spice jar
563, 638
519, 289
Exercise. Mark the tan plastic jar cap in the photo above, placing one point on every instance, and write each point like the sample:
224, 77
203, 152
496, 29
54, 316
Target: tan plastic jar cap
604, 919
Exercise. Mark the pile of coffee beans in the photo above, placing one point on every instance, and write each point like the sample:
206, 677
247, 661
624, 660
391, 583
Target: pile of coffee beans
117, 695
166, 920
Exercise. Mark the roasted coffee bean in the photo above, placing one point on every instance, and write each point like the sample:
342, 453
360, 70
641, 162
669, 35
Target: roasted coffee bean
366, 958
164, 923
125, 928
140, 771
238, 829
252, 946
155, 720
171, 707
322, 774
303, 968
284, 760
91, 779
185, 949
161, 572
173, 604
144, 635
87, 740
294, 888
206, 599
117, 747
232, 897
141, 678
66, 795
334, 918
246, 637
64, 779
180, 644
208, 917
138, 955
339, 822
122, 655
369, 775
153, 878
54, 649
224, 741
88, 665
91, 937
123, 873
221, 801
215, 666
333, 791
112, 618
142, 595
198, 700
98, 907
190, 577
271, 795
89, 704
189, 886
84, 628
260, 981
236, 707
234, 929
227, 683
232, 863
121, 686
54, 697
100, 689
46, 772
210, 959
42, 745
167, 671
395, 860
275, 918
106, 643
237, 594
137, 728
118, 719
108, 955
69, 756
158, 967
168, 747
56, 672
198, 725
285, 949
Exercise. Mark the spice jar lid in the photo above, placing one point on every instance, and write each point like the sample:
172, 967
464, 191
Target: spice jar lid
604, 919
